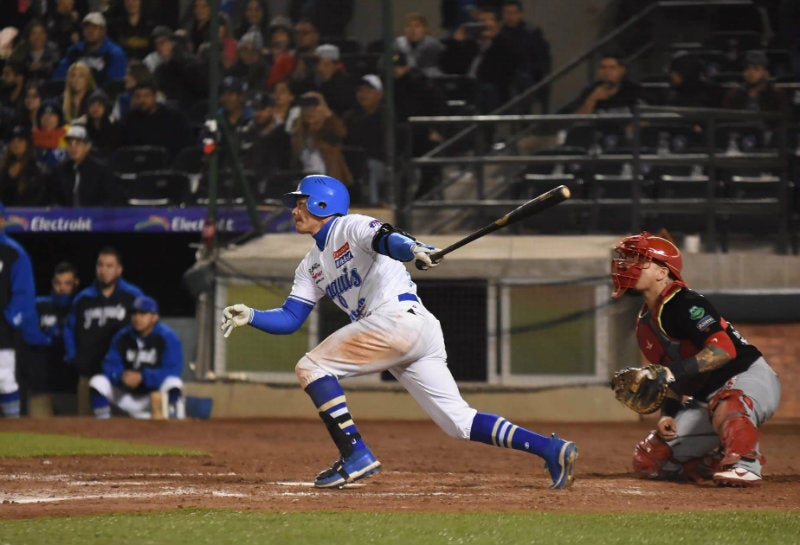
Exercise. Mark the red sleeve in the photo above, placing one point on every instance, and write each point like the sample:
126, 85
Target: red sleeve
722, 340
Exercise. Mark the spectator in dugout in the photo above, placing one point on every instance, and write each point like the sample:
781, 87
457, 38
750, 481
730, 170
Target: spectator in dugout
79, 85
98, 312
295, 64
318, 138
49, 134
279, 39
83, 179
37, 53
250, 65
49, 381
197, 24
130, 25
31, 103
104, 56
756, 92
270, 147
365, 129
63, 24
22, 181
486, 54
255, 18
151, 123
611, 92
227, 45
161, 50
105, 132
141, 372
332, 81
421, 49
12, 86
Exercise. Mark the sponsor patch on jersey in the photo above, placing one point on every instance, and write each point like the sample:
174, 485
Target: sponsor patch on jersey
374, 223
695, 313
342, 255
705, 322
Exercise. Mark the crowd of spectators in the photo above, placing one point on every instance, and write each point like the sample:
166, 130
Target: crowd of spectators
135, 73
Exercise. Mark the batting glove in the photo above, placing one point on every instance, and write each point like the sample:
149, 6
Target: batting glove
422, 256
235, 316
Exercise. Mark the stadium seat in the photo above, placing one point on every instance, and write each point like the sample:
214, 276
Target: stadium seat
157, 188
128, 161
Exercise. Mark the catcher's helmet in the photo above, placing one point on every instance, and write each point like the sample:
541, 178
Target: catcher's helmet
635, 253
326, 196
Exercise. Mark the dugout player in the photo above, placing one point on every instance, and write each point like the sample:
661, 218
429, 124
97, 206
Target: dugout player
145, 356
47, 374
723, 389
97, 313
18, 302
355, 260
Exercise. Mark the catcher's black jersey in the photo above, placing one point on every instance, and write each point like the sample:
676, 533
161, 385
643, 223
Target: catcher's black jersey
680, 326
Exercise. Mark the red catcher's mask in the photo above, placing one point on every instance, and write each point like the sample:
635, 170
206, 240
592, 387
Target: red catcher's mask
636, 252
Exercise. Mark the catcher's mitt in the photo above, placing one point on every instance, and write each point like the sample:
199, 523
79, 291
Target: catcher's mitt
642, 388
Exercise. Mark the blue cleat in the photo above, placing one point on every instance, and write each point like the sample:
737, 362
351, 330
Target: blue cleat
560, 462
358, 465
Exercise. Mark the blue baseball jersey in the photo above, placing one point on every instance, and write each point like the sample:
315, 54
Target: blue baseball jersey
157, 356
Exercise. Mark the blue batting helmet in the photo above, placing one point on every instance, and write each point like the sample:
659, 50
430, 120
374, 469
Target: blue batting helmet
326, 196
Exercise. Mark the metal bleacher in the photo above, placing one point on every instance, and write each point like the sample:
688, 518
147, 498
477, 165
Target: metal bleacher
725, 174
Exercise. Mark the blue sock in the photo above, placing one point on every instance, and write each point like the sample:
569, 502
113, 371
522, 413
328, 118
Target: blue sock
330, 401
9, 403
496, 430
100, 405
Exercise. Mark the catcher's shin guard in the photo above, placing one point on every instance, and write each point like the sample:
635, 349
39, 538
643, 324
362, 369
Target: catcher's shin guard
731, 416
650, 455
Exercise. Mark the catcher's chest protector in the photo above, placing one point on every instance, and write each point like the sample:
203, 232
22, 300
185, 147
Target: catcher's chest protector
655, 344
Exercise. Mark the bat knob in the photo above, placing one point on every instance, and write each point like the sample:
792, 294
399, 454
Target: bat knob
420, 265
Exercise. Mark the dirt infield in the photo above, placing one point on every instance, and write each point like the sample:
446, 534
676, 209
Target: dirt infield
267, 464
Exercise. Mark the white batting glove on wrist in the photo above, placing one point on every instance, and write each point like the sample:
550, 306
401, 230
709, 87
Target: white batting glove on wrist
235, 316
422, 256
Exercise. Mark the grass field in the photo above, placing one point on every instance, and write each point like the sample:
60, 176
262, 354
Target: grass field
330, 519
216, 527
24, 445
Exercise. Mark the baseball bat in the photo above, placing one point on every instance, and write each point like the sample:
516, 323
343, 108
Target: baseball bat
538, 204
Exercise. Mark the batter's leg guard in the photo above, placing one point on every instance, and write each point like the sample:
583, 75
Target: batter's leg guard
356, 461
732, 417
559, 455
650, 456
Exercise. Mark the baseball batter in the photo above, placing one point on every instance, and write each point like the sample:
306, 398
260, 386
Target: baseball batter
355, 260
723, 389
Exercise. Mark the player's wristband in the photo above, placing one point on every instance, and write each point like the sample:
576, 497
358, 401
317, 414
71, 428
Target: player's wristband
685, 369
670, 407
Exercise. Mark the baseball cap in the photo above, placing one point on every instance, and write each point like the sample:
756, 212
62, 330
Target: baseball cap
259, 101
232, 84
371, 80
756, 57
20, 131
94, 18
161, 31
327, 51
77, 132
251, 39
143, 303
399, 59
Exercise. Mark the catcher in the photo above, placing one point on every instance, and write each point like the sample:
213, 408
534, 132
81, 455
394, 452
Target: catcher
713, 388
